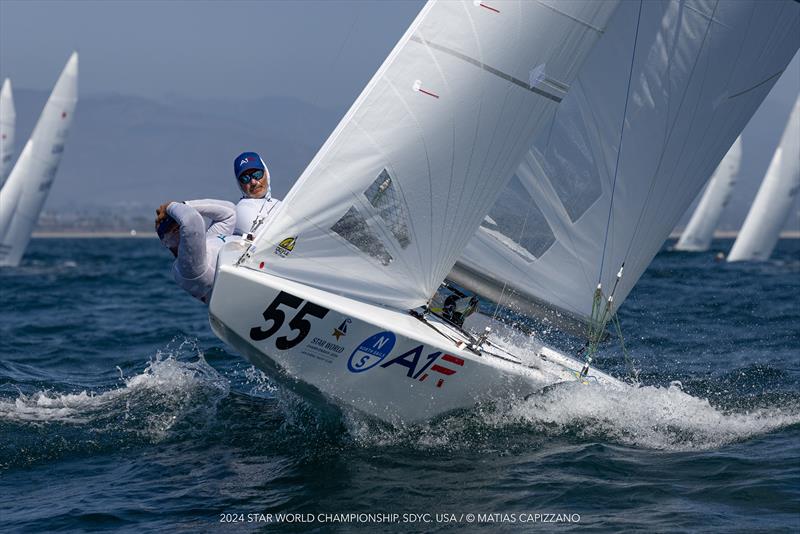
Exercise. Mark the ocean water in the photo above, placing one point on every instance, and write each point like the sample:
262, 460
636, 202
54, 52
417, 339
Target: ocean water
120, 410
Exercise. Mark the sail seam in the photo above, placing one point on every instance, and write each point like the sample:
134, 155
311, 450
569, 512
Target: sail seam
500, 74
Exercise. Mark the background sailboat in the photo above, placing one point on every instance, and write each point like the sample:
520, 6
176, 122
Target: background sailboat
700, 230
8, 124
775, 198
25, 192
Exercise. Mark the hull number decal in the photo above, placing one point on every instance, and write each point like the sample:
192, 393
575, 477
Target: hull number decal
275, 317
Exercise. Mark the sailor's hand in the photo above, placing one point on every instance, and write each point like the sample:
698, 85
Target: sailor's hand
161, 212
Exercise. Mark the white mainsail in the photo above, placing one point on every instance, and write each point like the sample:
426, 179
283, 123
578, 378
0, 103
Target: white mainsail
8, 121
386, 207
659, 101
23, 195
700, 230
773, 203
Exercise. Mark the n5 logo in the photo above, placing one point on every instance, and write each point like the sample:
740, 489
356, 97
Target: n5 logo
276, 316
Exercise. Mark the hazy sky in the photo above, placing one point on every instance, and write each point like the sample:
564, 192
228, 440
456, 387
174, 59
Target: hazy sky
321, 52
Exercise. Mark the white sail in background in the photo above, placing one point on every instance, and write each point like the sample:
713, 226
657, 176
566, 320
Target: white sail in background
25, 192
700, 230
386, 207
773, 203
683, 78
8, 121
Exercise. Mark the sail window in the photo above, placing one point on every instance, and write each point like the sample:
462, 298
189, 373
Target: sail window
354, 228
516, 221
570, 165
383, 195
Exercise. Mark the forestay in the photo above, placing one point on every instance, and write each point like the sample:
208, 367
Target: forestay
700, 230
8, 121
23, 195
661, 98
391, 199
773, 203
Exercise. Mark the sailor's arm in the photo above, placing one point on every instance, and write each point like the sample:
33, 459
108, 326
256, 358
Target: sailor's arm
221, 213
192, 247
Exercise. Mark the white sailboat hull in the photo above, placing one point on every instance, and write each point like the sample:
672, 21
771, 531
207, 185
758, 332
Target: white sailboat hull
385, 363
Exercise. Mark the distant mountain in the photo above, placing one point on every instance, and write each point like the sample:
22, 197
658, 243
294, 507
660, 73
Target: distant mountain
134, 153
129, 153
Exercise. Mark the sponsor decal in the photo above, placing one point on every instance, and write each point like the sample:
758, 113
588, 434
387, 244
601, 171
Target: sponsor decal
371, 352
286, 246
322, 349
419, 367
341, 330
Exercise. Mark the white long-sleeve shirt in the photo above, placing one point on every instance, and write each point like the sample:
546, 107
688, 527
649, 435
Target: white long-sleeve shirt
249, 209
196, 264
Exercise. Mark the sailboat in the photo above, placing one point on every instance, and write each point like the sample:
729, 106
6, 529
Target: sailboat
8, 123
334, 297
775, 197
25, 192
700, 230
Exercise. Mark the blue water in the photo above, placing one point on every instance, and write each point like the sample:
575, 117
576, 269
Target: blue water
120, 410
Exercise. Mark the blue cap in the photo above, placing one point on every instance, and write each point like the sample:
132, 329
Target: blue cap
247, 161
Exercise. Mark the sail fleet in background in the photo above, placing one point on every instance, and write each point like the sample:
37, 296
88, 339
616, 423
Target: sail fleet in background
770, 210
25, 190
776, 196
700, 231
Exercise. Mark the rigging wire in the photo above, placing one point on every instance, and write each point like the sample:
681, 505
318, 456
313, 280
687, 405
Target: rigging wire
601, 315
621, 134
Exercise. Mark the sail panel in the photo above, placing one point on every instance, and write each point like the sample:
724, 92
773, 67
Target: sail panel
700, 231
775, 197
25, 192
659, 101
8, 121
442, 126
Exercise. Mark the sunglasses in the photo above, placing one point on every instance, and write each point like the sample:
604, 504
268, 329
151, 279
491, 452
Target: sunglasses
245, 178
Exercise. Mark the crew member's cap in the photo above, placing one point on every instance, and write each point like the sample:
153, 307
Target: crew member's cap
247, 161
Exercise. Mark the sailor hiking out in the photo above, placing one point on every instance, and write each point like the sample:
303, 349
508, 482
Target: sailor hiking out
181, 227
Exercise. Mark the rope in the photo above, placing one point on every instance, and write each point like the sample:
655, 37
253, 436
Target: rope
619, 151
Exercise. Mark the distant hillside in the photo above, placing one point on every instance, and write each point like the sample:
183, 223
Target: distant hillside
134, 153
128, 154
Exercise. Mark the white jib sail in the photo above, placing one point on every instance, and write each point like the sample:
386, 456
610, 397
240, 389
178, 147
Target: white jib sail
700, 230
773, 203
388, 204
659, 101
23, 195
8, 121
